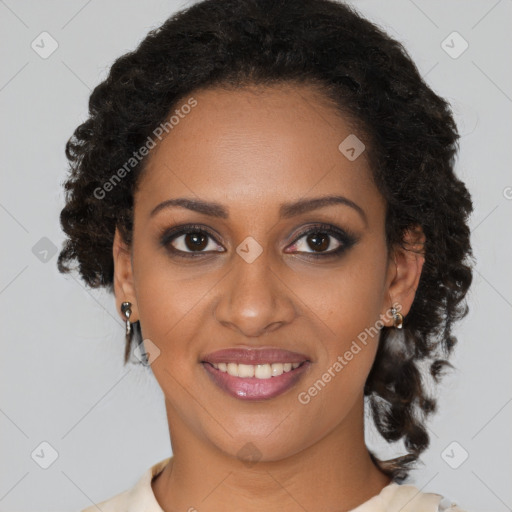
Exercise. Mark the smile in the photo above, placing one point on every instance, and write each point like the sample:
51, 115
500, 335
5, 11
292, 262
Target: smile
255, 374
260, 371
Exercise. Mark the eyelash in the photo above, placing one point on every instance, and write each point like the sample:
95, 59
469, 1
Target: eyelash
345, 238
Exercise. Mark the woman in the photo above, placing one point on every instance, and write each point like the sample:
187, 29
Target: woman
267, 187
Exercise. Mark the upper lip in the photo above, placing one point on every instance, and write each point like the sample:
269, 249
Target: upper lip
254, 356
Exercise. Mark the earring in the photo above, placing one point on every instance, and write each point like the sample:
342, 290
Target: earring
398, 318
127, 311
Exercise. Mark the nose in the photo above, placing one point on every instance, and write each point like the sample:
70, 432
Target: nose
253, 298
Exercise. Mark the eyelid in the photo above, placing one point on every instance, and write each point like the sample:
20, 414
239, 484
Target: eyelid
345, 237
168, 235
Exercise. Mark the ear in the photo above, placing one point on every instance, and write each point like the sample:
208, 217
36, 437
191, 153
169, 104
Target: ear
124, 289
404, 272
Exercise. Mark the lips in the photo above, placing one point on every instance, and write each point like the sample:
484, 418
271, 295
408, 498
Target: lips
254, 356
254, 383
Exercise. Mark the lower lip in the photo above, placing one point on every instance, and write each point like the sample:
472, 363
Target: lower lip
251, 388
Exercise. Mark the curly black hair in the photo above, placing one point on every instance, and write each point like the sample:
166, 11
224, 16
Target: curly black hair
411, 141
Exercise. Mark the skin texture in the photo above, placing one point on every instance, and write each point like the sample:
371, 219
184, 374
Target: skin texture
252, 150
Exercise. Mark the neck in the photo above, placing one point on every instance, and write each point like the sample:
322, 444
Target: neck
335, 473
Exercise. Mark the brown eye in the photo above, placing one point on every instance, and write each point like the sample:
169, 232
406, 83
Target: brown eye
187, 240
196, 241
319, 241
323, 241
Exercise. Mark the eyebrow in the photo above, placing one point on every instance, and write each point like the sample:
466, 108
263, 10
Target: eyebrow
286, 210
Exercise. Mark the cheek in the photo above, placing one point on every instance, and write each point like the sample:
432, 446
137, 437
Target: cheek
168, 302
346, 305
346, 300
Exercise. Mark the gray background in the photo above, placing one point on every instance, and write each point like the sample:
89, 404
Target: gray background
61, 374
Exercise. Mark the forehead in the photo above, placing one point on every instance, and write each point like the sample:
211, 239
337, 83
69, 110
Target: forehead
251, 146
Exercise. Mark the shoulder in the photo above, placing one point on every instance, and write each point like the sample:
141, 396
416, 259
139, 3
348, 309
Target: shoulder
392, 498
407, 498
139, 497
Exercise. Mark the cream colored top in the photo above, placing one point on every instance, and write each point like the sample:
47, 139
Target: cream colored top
392, 498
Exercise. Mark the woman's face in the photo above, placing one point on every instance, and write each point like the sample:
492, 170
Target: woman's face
255, 280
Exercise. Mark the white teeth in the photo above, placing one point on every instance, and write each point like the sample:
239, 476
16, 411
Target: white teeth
245, 370
232, 369
263, 371
260, 371
277, 369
